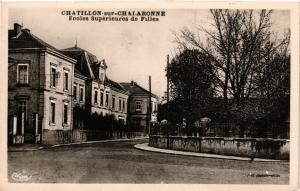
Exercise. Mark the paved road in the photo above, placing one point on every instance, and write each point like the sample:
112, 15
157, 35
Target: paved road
119, 162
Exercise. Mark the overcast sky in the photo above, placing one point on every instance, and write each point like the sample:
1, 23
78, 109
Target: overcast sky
132, 50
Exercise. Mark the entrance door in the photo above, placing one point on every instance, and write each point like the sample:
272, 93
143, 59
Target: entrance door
23, 122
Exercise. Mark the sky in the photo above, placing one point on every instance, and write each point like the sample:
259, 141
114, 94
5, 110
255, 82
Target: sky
132, 50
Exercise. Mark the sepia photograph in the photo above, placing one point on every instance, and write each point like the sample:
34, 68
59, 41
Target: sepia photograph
151, 95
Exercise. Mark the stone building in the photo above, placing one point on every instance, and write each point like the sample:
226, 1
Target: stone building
51, 91
103, 95
39, 89
79, 88
139, 111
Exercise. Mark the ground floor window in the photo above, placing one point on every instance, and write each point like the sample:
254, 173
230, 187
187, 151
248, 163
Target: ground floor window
52, 112
113, 102
123, 108
21, 119
81, 94
75, 92
120, 104
122, 121
106, 100
96, 97
65, 112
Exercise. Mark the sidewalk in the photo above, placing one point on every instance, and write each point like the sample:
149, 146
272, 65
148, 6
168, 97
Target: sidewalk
35, 147
146, 147
25, 147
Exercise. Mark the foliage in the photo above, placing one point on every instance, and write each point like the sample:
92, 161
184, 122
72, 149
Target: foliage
238, 43
250, 70
106, 123
191, 78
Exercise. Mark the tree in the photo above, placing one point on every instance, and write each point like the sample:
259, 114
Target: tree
273, 87
191, 81
248, 62
239, 40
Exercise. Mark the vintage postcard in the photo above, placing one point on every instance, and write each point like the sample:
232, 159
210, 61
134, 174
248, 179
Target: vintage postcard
143, 96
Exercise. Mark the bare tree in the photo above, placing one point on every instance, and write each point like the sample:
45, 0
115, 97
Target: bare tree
238, 42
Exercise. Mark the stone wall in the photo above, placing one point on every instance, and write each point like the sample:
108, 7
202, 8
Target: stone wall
52, 137
258, 148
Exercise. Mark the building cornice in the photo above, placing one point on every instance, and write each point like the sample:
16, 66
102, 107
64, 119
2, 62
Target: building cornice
48, 50
143, 95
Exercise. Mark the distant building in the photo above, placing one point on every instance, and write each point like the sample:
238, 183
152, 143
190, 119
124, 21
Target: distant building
39, 89
103, 95
139, 107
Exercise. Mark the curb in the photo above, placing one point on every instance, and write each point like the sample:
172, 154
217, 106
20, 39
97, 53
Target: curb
146, 147
79, 143
26, 150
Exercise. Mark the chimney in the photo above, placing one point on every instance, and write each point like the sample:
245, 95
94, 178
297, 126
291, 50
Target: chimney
27, 30
132, 83
17, 28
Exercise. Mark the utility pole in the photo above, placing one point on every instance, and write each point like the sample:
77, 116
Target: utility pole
168, 142
150, 106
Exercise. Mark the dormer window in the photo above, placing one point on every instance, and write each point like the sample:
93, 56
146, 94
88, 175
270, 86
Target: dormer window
102, 70
102, 76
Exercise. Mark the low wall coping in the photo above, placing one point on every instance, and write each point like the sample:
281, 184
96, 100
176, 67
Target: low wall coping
222, 138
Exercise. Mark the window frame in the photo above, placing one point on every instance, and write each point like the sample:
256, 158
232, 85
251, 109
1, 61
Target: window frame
26, 106
65, 114
140, 105
113, 102
66, 82
52, 119
53, 80
121, 121
106, 99
18, 73
75, 92
81, 96
123, 105
101, 98
95, 96
120, 104
102, 76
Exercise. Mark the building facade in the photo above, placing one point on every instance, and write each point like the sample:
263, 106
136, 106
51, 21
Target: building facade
79, 88
141, 109
39, 89
51, 92
103, 95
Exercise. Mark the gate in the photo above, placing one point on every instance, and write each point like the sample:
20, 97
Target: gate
21, 130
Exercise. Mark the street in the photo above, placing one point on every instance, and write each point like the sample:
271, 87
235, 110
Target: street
120, 162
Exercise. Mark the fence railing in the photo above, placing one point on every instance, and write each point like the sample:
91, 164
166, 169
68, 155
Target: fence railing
279, 130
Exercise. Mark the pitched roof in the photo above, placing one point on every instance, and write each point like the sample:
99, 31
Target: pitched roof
25, 39
84, 59
136, 89
87, 64
74, 51
77, 73
10, 59
115, 85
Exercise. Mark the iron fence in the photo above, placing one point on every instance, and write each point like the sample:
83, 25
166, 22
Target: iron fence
272, 130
